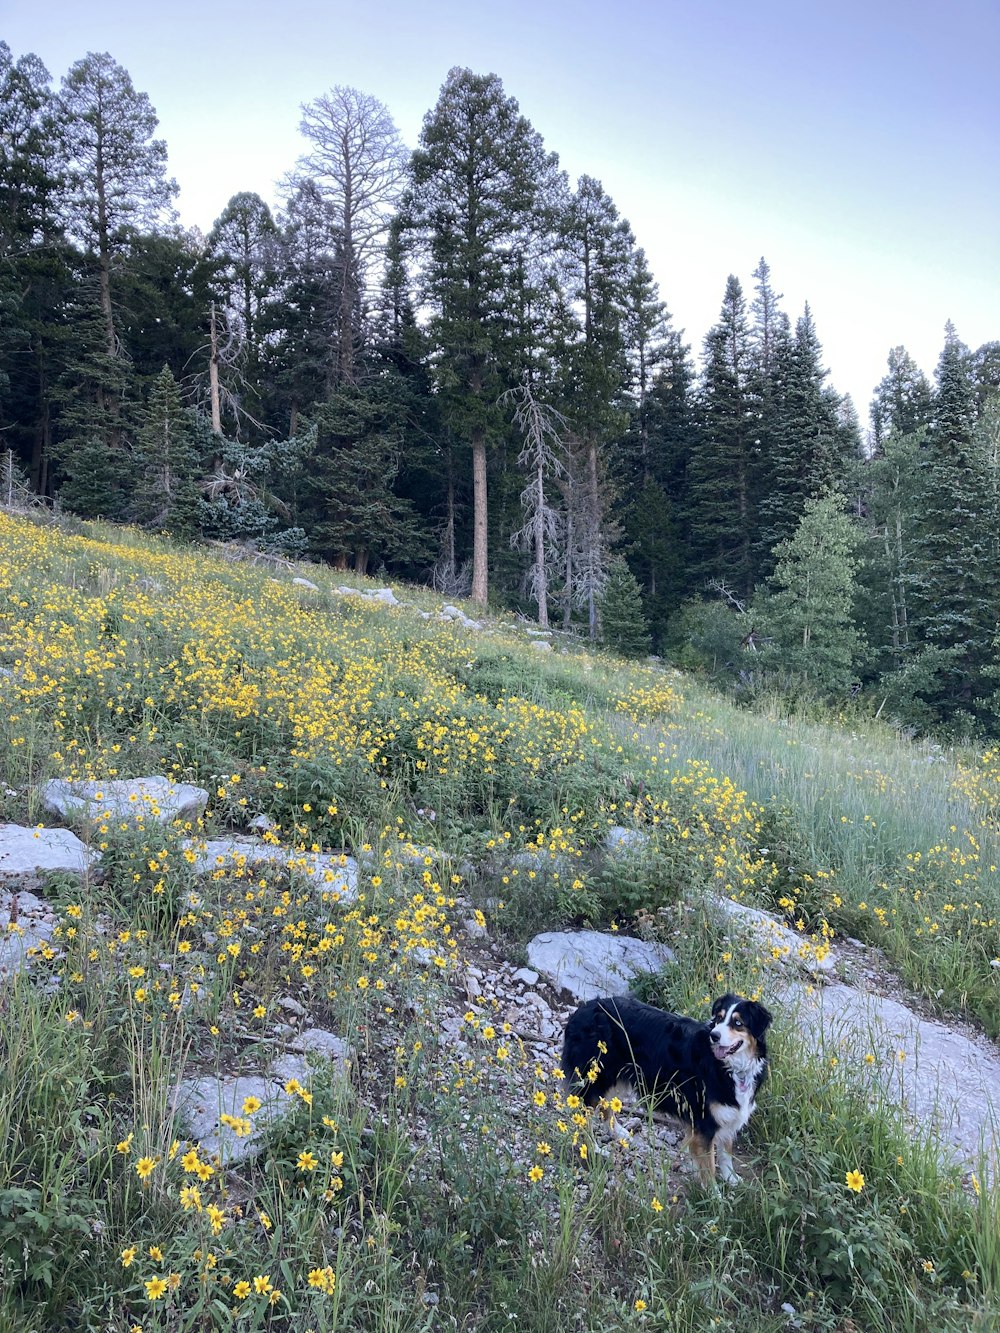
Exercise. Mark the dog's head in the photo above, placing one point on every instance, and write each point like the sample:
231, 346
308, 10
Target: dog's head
737, 1029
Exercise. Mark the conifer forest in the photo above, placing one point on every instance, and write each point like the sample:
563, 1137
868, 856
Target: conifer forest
453, 365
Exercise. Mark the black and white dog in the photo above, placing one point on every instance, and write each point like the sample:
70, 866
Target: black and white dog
706, 1075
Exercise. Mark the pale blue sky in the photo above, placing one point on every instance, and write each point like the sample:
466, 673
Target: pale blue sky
855, 145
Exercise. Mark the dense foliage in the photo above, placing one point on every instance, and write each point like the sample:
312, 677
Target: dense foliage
340, 378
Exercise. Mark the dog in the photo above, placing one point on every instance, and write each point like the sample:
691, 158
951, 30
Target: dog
705, 1075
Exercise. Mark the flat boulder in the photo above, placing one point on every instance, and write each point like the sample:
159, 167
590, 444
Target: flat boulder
947, 1081
589, 963
212, 1111
334, 872
29, 855
156, 798
202, 1102
620, 839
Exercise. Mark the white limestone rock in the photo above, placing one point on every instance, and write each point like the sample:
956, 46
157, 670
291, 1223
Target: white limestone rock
590, 963
948, 1082
333, 872
620, 839
155, 797
29, 855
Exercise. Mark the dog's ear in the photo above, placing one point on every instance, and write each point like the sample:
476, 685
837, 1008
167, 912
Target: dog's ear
760, 1018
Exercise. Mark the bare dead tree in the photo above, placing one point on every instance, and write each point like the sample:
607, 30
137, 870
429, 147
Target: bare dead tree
542, 429
720, 587
357, 160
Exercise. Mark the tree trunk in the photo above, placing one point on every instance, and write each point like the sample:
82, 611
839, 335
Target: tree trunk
568, 604
594, 536
449, 531
540, 579
42, 438
480, 509
349, 285
213, 374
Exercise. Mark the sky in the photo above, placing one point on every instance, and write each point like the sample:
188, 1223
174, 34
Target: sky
855, 144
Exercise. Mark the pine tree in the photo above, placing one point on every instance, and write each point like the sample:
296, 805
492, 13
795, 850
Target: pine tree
623, 624
807, 614
955, 584
166, 464
891, 482
356, 515
34, 263
724, 464
599, 264
304, 357
243, 248
811, 445
473, 205
901, 404
116, 183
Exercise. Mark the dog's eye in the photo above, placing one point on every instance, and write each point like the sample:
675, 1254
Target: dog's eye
737, 1022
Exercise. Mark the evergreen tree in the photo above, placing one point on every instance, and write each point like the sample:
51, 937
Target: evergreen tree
901, 404
649, 341
472, 205
90, 397
623, 625
34, 262
807, 614
243, 248
163, 295
811, 446
599, 267
891, 483
305, 354
770, 333
724, 463
955, 585
116, 183
984, 366
357, 515
166, 464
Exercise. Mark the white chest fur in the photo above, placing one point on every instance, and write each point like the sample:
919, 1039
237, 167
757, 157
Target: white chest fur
731, 1119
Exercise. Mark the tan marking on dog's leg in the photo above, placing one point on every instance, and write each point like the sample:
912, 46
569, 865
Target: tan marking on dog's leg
702, 1152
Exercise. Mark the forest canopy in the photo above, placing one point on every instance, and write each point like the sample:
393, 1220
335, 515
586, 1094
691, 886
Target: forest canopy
454, 365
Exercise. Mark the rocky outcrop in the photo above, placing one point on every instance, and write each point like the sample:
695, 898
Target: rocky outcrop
213, 1111
29, 855
27, 924
332, 872
589, 963
947, 1081
773, 940
155, 798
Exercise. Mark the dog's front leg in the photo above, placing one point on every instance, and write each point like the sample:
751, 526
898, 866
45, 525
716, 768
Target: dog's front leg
724, 1159
702, 1152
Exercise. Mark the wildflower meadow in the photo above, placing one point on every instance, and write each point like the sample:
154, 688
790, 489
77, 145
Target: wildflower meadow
446, 1177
